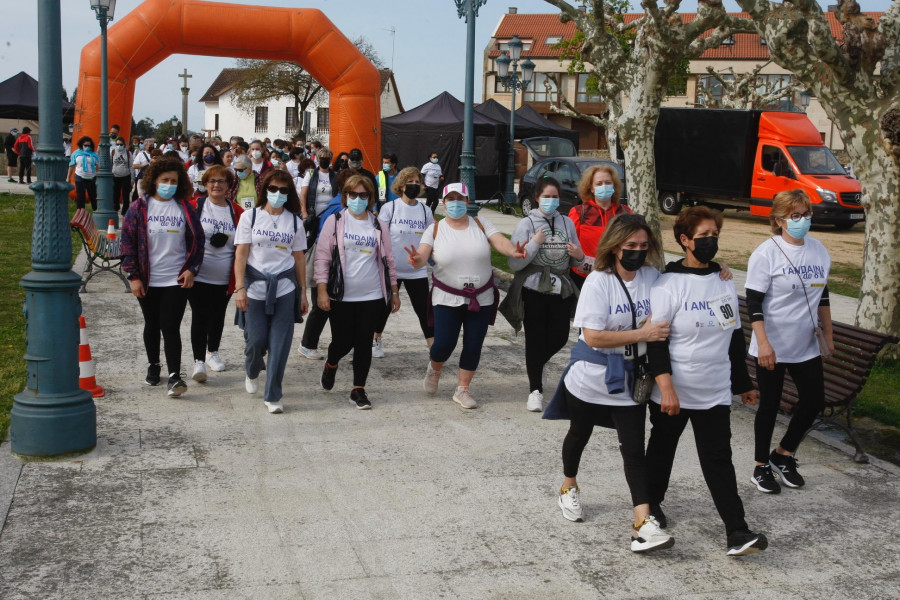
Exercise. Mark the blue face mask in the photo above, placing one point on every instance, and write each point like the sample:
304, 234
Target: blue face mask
604, 192
455, 208
357, 205
208, 158
242, 174
434, 160
276, 199
385, 167
166, 190
798, 229
548, 205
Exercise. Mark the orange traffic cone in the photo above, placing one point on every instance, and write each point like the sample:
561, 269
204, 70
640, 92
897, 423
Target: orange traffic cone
111, 231
86, 379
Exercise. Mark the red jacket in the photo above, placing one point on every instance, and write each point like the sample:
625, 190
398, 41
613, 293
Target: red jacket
24, 137
590, 222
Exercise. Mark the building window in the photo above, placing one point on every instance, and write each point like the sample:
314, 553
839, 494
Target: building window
729, 41
321, 118
762, 41
262, 119
583, 95
504, 46
553, 39
290, 122
768, 84
537, 90
710, 90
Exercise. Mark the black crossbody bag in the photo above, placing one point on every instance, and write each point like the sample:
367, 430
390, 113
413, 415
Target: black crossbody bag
643, 380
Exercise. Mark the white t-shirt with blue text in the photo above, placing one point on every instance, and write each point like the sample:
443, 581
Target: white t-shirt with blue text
407, 224
272, 244
217, 262
362, 276
167, 247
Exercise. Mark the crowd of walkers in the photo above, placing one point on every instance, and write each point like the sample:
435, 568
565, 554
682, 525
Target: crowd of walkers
265, 222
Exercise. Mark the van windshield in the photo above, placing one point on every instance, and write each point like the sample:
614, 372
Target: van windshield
816, 160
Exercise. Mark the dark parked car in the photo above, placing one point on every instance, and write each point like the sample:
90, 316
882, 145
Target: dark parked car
566, 170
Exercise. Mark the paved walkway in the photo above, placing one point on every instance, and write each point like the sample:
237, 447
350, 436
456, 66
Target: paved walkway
210, 497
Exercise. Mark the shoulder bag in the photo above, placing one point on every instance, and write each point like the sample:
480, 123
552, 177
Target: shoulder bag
335, 284
817, 331
643, 380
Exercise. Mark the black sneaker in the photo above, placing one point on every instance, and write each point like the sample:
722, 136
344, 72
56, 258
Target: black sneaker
744, 542
359, 399
328, 374
764, 480
177, 386
657, 512
153, 374
786, 467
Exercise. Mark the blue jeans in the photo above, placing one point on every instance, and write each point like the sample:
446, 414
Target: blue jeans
448, 320
272, 333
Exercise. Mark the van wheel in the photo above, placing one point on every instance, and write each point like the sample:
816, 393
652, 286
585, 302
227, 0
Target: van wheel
669, 203
527, 204
846, 226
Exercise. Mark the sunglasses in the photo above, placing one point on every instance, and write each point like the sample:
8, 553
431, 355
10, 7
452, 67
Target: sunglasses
275, 188
355, 195
239, 170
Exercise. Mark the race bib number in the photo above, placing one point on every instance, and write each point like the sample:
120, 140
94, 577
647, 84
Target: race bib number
556, 282
382, 193
248, 203
470, 281
725, 310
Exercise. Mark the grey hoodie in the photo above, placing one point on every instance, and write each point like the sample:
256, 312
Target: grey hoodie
552, 253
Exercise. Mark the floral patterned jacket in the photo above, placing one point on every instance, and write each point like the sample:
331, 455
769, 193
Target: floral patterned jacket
136, 245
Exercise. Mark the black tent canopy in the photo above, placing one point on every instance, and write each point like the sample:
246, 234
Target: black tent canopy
529, 122
437, 126
19, 99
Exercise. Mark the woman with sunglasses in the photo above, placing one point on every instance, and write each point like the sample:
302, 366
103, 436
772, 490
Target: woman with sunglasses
464, 295
787, 298
244, 189
370, 282
269, 271
543, 294
214, 283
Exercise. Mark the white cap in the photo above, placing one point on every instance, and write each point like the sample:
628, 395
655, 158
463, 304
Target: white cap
459, 188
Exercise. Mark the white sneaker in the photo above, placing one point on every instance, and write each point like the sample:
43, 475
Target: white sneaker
310, 353
276, 408
535, 401
570, 502
432, 378
462, 397
377, 348
649, 536
199, 371
251, 385
215, 361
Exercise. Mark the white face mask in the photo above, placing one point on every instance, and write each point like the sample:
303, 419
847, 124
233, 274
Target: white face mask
257, 154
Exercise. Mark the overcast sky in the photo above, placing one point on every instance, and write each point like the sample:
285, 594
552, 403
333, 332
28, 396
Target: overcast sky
428, 51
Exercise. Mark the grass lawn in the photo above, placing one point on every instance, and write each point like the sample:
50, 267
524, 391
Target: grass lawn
16, 222
880, 398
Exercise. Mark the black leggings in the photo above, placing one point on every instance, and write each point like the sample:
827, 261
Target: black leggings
546, 332
121, 193
85, 190
25, 168
352, 328
712, 436
629, 424
810, 381
163, 309
431, 198
208, 305
315, 324
418, 297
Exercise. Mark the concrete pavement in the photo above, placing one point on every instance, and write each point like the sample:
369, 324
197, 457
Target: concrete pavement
209, 496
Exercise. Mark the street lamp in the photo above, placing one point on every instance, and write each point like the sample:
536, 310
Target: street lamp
468, 10
52, 415
515, 82
174, 125
105, 10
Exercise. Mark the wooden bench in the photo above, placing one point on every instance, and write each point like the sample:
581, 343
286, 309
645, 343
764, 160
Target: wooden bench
855, 350
101, 254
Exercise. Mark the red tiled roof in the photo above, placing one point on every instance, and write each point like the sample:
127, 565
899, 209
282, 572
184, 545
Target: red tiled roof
538, 27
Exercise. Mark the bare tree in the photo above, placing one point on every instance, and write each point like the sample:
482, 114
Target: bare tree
633, 64
864, 104
270, 79
743, 90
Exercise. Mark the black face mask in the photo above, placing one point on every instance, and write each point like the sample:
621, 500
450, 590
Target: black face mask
632, 260
218, 239
324, 162
705, 248
412, 190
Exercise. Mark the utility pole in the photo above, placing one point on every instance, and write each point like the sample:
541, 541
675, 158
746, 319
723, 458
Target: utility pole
184, 103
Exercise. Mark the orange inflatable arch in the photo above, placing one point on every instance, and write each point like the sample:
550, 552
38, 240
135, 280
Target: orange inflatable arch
157, 29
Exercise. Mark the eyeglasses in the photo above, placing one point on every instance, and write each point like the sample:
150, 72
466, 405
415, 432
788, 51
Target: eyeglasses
216, 182
355, 195
237, 170
275, 188
797, 216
